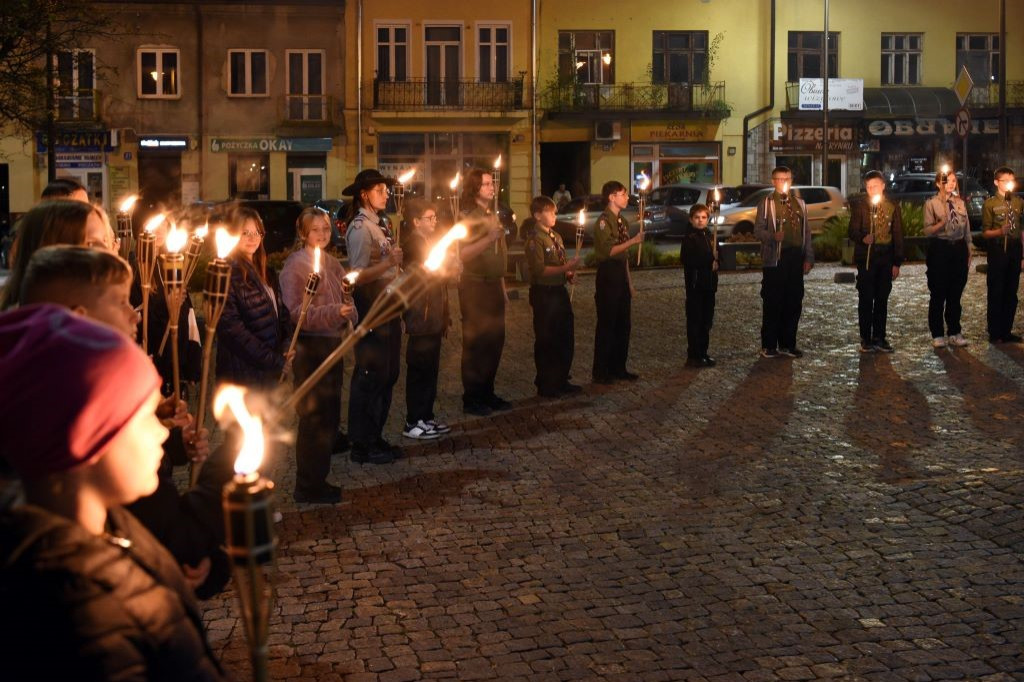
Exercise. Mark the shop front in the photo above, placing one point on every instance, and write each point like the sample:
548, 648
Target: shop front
253, 163
797, 144
82, 155
922, 145
672, 152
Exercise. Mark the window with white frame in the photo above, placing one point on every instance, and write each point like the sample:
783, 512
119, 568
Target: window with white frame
392, 53
158, 69
493, 44
305, 86
901, 58
247, 73
979, 52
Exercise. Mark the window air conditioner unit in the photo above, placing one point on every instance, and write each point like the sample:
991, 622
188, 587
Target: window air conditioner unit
607, 130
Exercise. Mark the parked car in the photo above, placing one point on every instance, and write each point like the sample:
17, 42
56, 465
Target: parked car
335, 210
278, 217
822, 203
749, 188
917, 188
670, 204
592, 206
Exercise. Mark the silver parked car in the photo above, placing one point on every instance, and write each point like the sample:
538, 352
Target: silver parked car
822, 203
592, 206
670, 204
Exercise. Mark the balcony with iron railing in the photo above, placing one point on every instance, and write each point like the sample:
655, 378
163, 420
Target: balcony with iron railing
700, 99
77, 106
312, 109
420, 94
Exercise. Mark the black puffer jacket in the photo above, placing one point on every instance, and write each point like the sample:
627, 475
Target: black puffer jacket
252, 331
81, 607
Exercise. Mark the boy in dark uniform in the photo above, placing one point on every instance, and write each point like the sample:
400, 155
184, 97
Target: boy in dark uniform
482, 295
781, 227
1000, 225
876, 229
613, 288
700, 272
553, 321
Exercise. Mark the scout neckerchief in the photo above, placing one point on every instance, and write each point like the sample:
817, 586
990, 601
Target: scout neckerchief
557, 246
883, 221
623, 230
789, 219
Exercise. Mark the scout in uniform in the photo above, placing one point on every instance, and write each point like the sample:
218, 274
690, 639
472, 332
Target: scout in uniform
613, 287
876, 229
781, 227
700, 272
372, 252
553, 321
482, 295
1000, 225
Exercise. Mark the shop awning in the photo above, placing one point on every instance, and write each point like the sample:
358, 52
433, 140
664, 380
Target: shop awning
909, 102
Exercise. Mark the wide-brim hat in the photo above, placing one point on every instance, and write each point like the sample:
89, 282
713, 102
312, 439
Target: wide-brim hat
365, 179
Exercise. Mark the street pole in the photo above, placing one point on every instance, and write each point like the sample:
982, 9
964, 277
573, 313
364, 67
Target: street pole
1002, 74
824, 102
51, 123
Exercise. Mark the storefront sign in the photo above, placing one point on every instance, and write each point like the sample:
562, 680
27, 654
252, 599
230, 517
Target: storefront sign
79, 160
806, 136
843, 94
164, 142
271, 144
675, 131
930, 126
79, 141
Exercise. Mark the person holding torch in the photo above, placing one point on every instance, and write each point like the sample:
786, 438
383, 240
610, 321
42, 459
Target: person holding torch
1000, 225
781, 227
327, 316
948, 259
876, 229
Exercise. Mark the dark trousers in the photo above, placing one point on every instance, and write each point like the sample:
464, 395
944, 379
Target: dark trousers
874, 285
422, 363
700, 313
947, 277
554, 336
483, 336
1003, 278
613, 302
377, 366
319, 412
782, 294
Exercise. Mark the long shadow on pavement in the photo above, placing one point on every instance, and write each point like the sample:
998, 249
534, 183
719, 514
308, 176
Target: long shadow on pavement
991, 400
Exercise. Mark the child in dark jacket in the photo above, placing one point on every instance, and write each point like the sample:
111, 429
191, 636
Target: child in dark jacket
699, 256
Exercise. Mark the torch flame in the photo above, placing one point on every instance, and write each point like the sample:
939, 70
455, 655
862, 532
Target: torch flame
176, 239
128, 203
581, 218
876, 199
316, 260
1010, 186
785, 188
645, 182
201, 232
154, 222
497, 162
250, 456
437, 253
406, 176
225, 242
454, 183
718, 197
352, 276
945, 169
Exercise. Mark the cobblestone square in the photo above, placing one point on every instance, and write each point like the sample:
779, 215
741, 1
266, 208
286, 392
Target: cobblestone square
841, 516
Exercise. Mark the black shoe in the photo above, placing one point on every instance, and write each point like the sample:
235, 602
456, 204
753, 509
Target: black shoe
883, 346
549, 393
362, 454
393, 450
769, 353
341, 443
476, 409
570, 389
708, 361
866, 347
603, 380
792, 352
326, 494
627, 376
498, 404
694, 362
1013, 338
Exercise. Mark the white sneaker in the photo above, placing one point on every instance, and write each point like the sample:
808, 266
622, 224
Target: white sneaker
420, 431
440, 427
958, 340
939, 342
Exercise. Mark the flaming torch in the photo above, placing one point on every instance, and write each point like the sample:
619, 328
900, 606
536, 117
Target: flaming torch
780, 225
497, 192
399, 196
124, 225
714, 223
875, 200
453, 196
146, 255
645, 182
192, 251
172, 270
348, 286
215, 295
312, 284
1009, 213
249, 527
402, 291
944, 173
580, 223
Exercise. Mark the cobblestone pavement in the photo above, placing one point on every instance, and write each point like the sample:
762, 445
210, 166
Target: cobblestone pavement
842, 516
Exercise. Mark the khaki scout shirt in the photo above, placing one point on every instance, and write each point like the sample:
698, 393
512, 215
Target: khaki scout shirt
607, 235
882, 227
790, 220
491, 263
995, 213
544, 247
